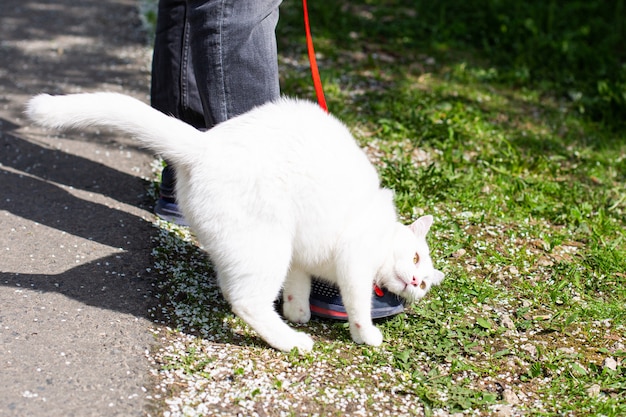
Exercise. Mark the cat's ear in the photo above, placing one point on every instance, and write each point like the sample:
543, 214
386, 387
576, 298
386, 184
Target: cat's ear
437, 277
422, 225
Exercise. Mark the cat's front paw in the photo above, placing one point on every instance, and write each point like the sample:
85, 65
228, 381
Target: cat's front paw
296, 311
303, 342
286, 342
366, 333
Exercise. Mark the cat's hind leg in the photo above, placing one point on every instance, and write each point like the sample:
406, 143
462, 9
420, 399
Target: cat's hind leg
268, 324
296, 291
252, 283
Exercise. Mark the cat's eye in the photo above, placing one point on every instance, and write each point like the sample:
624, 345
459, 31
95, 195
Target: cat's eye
416, 258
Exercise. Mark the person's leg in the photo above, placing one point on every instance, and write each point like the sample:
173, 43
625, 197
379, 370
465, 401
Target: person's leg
234, 44
233, 47
173, 88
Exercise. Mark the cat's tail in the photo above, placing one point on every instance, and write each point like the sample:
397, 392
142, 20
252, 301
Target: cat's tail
175, 140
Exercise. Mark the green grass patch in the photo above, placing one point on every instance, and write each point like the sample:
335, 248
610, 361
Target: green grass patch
505, 120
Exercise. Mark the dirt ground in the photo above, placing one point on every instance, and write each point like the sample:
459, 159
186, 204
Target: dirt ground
75, 220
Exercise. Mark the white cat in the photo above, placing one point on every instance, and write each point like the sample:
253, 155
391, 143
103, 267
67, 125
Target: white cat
275, 195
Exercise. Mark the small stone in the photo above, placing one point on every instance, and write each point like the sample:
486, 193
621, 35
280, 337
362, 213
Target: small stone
459, 253
507, 322
566, 350
531, 349
594, 390
610, 364
510, 333
510, 397
503, 410
545, 261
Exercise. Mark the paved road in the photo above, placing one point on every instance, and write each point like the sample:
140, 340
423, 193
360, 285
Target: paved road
74, 218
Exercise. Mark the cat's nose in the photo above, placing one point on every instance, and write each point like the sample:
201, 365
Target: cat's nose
417, 283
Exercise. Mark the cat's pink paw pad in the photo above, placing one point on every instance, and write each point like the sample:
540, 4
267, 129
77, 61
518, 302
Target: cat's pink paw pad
296, 312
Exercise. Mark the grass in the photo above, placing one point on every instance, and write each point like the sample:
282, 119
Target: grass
505, 120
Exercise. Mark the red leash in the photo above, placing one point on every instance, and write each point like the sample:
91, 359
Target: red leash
317, 81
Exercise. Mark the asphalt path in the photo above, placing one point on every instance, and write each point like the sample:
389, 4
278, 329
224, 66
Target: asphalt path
75, 220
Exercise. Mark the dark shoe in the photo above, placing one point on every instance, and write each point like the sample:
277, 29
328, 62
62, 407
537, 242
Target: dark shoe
325, 301
166, 207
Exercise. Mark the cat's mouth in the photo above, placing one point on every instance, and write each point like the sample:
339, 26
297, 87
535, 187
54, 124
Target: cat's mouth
404, 283
407, 289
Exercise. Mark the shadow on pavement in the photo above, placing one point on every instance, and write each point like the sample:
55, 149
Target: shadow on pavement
36, 183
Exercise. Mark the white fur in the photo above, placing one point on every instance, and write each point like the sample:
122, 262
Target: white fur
275, 195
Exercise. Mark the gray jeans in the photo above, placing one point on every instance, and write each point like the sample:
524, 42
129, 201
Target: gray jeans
214, 59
